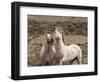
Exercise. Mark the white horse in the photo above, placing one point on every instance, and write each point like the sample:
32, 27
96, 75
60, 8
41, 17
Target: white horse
48, 51
64, 52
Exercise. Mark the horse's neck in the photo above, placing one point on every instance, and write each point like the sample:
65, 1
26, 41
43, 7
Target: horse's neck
60, 44
48, 47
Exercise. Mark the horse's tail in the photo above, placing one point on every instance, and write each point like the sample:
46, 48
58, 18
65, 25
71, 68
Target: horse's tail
80, 56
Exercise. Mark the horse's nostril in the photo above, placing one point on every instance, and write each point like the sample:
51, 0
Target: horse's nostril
57, 38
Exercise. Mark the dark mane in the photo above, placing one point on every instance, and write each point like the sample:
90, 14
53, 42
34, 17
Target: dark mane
63, 39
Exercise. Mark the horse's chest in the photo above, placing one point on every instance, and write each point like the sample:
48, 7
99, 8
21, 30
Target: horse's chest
61, 52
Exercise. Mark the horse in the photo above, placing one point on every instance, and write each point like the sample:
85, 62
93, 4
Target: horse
47, 51
65, 52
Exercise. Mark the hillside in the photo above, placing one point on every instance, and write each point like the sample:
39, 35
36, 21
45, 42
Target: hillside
70, 25
75, 32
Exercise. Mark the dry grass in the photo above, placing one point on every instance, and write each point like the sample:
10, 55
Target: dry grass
35, 44
75, 29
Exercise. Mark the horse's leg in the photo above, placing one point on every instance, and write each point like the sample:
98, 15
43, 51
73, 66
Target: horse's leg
79, 59
71, 62
61, 62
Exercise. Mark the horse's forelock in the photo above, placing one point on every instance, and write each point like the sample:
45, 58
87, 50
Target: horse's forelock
59, 29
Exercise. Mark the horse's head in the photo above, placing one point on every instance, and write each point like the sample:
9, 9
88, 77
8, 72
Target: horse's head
58, 34
49, 38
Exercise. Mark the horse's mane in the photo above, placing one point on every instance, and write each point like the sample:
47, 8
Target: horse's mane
63, 39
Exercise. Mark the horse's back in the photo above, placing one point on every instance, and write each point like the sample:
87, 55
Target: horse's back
73, 51
74, 46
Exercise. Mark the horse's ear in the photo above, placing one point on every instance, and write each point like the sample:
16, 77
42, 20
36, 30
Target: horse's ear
56, 28
44, 33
